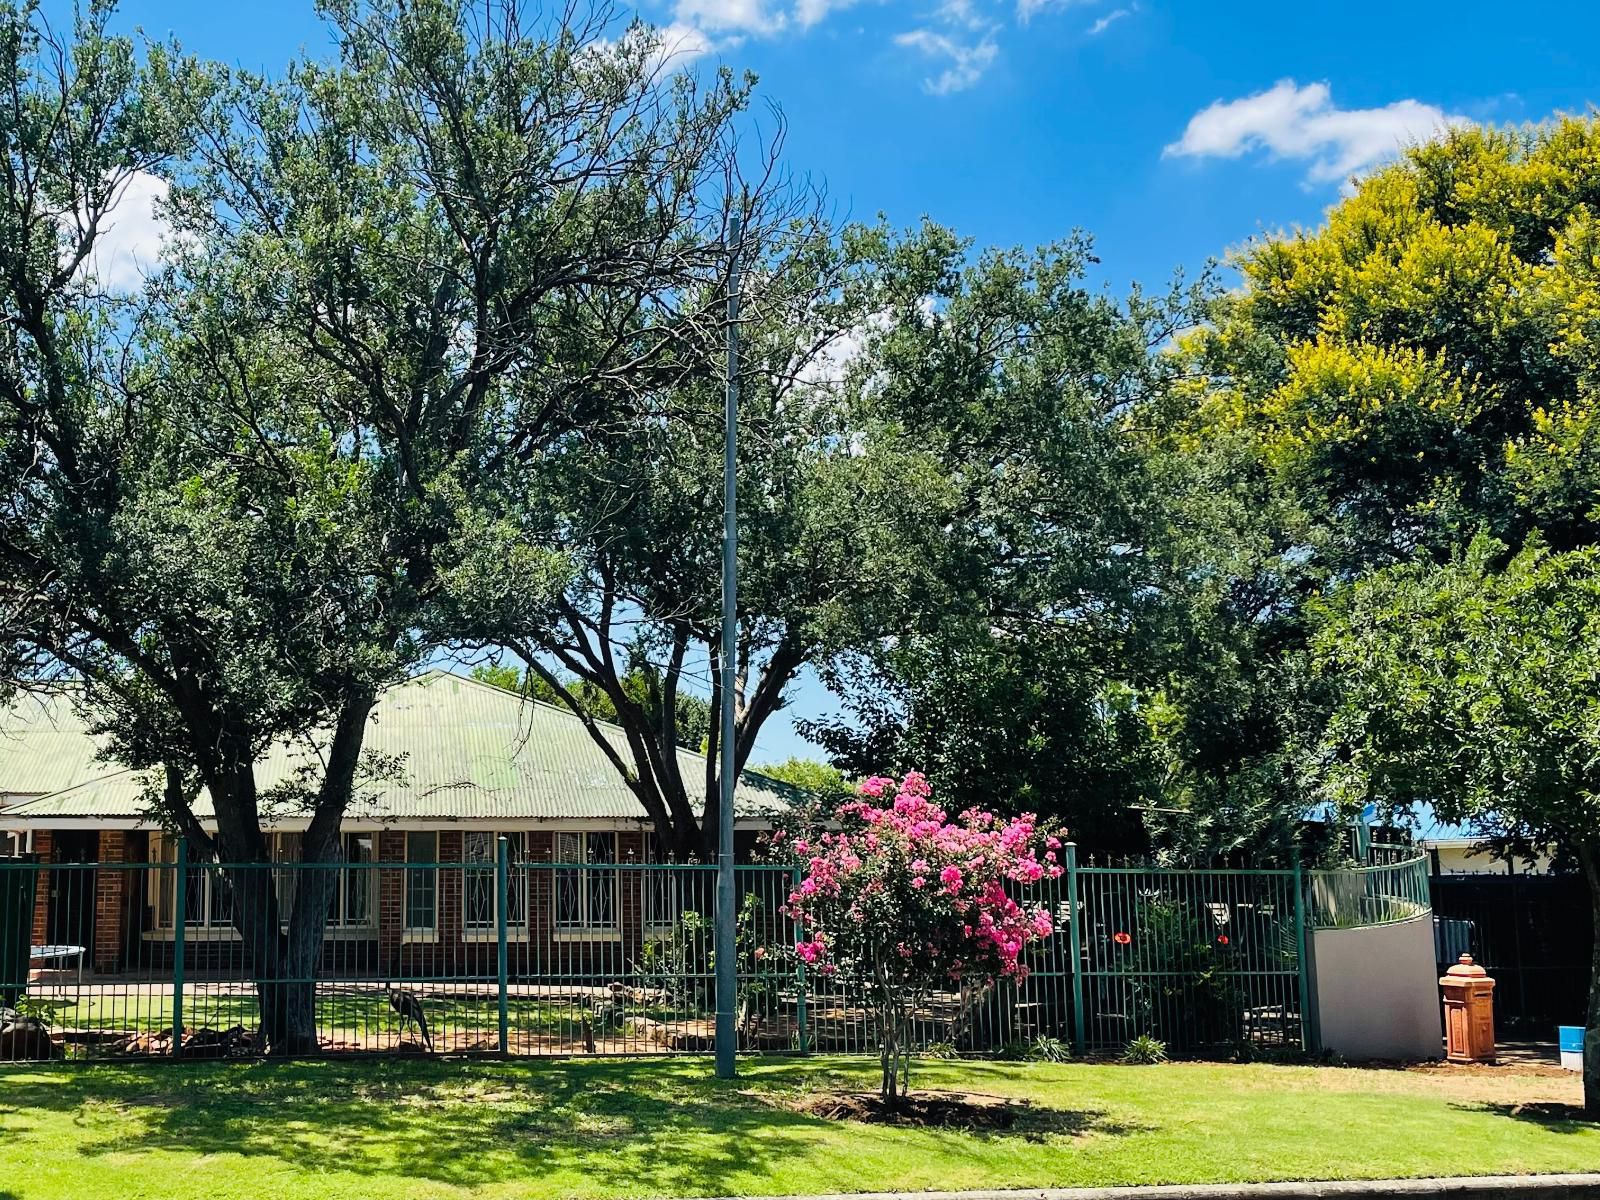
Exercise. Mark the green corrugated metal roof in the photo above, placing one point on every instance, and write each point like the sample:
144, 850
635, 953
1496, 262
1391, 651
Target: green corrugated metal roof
471, 752
44, 747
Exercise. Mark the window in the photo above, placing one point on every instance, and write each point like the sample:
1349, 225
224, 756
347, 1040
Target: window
356, 882
586, 896
478, 851
285, 848
207, 898
663, 899
422, 882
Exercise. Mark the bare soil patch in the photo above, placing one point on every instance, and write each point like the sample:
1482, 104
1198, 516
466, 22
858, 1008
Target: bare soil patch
940, 1110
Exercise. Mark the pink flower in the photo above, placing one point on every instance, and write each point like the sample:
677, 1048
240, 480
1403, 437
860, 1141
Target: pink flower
761, 952
918, 882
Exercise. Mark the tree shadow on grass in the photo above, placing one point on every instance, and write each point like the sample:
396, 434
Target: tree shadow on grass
663, 1127
1551, 1115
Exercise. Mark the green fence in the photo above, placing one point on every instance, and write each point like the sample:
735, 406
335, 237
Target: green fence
495, 955
1199, 959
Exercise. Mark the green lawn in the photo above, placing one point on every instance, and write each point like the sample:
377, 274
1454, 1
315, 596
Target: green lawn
602, 1128
457, 1017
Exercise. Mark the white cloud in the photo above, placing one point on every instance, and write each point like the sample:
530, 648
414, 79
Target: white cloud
678, 45
966, 62
808, 12
961, 13
736, 16
1107, 21
131, 236
1028, 9
1289, 121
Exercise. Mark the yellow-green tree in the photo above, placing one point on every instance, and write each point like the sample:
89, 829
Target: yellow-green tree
1376, 391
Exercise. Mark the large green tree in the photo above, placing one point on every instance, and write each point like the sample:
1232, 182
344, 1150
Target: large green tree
245, 498
929, 451
1475, 687
1375, 392
1026, 689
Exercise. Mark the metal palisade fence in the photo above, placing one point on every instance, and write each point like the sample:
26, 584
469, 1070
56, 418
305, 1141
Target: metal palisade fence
497, 956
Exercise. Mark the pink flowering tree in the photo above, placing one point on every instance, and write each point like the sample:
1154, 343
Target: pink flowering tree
899, 901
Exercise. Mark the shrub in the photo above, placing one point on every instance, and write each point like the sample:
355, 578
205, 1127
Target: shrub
1145, 1050
899, 901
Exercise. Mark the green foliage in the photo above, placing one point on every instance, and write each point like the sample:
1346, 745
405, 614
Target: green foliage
819, 779
1014, 682
1049, 1049
1378, 391
1472, 686
1144, 1051
41, 1009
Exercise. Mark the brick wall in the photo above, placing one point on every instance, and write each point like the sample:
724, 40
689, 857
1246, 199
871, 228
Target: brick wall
41, 899
110, 902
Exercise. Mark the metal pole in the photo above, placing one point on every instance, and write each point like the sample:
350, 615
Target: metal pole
180, 903
1310, 1035
801, 1016
502, 878
1075, 945
726, 979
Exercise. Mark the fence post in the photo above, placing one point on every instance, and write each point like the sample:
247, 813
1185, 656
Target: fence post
1308, 1029
800, 975
1075, 946
502, 871
180, 914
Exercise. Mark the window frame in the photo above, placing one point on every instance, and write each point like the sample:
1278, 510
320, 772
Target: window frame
427, 870
163, 893
517, 922
216, 921
583, 875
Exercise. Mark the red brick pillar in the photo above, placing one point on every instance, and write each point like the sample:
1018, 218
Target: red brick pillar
110, 894
41, 897
541, 900
448, 955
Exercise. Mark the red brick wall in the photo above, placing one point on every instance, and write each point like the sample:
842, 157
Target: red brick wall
110, 902
41, 899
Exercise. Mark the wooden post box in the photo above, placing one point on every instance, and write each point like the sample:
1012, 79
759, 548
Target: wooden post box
1468, 1012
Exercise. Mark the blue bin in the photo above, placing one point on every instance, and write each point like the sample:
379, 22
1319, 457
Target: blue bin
1571, 1040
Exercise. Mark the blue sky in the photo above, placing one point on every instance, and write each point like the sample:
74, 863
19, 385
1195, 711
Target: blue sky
1170, 130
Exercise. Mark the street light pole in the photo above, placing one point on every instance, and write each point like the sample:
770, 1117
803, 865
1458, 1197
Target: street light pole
727, 979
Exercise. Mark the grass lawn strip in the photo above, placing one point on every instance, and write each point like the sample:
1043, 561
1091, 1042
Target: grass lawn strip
621, 1128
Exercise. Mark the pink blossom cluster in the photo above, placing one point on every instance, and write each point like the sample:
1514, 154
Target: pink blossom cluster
896, 889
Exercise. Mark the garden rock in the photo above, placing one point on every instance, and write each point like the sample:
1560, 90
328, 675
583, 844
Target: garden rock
25, 1039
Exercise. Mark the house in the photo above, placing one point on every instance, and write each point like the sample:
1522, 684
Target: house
474, 764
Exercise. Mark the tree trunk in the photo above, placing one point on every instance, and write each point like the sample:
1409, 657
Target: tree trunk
284, 954
1589, 857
